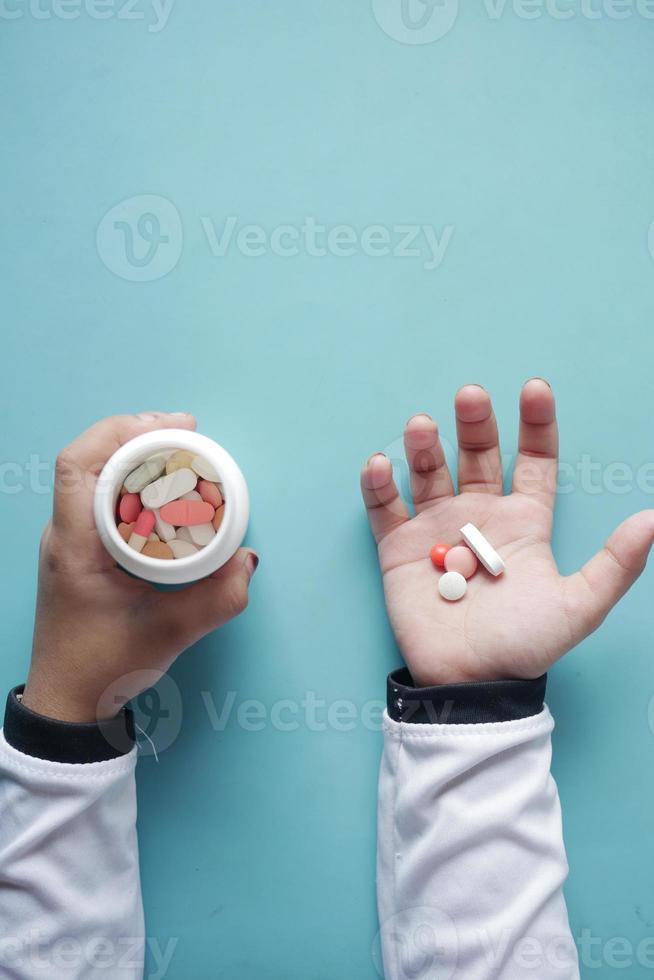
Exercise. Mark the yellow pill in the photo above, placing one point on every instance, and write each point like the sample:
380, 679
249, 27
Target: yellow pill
181, 459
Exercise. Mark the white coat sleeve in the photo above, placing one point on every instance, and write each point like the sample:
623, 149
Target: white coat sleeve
471, 861
70, 898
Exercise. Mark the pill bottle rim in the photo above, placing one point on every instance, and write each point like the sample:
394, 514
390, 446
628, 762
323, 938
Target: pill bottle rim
208, 559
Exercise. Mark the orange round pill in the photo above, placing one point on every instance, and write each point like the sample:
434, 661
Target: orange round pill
438, 552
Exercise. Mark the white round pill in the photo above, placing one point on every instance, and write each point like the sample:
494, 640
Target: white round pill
452, 586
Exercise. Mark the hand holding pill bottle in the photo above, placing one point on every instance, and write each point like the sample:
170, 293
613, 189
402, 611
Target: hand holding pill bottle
497, 608
99, 631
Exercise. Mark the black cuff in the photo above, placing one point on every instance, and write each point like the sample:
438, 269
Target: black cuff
462, 704
63, 741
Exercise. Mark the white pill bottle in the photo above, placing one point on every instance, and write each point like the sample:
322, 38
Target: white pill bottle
230, 534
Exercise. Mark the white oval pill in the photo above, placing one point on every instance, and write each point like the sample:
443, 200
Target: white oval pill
452, 586
205, 469
146, 473
182, 549
201, 533
191, 495
168, 488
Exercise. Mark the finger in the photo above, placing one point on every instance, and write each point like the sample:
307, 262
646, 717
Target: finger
193, 612
430, 477
80, 463
480, 465
536, 466
595, 589
386, 509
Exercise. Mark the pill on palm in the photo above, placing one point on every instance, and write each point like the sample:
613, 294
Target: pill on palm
187, 513
182, 549
148, 471
461, 559
181, 459
204, 469
168, 488
452, 586
157, 549
483, 549
130, 507
437, 554
210, 493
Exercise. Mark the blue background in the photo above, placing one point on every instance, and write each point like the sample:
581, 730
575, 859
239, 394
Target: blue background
534, 140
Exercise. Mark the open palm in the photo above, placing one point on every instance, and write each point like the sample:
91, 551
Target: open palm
516, 625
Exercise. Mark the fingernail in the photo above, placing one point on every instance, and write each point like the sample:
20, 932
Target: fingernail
180, 415
146, 416
420, 415
251, 563
374, 456
537, 377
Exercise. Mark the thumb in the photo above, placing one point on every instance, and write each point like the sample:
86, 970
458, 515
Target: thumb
215, 600
595, 589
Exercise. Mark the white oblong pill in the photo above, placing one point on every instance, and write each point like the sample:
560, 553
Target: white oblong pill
205, 469
148, 471
483, 549
183, 534
452, 586
191, 495
165, 530
168, 488
201, 533
182, 549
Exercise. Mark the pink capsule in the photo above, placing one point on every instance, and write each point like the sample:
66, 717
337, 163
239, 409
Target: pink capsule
144, 522
142, 529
